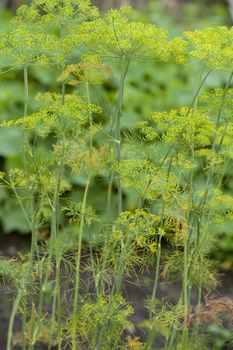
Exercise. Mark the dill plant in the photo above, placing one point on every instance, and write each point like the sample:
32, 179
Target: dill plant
118, 37
160, 161
178, 144
21, 49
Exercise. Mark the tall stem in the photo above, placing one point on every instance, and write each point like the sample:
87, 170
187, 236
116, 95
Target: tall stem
11, 322
63, 91
29, 271
32, 327
153, 296
185, 294
118, 114
194, 101
57, 298
54, 236
90, 114
77, 270
19, 296
156, 279
26, 94
211, 169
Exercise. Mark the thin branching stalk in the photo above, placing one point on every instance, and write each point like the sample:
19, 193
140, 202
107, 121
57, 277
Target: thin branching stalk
26, 94
106, 242
153, 296
12, 319
211, 169
25, 281
185, 294
77, 269
195, 98
157, 268
117, 121
186, 239
63, 92
56, 304
116, 125
32, 327
90, 114
54, 237
30, 268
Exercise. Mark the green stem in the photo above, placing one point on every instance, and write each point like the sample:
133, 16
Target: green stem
185, 288
26, 99
54, 237
26, 94
117, 136
211, 169
63, 91
52, 249
32, 252
58, 291
106, 244
187, 237
171, 345
194, 101
156, 279
153, 296
32, 327
185, 295
90, 114
118, 116
11, 322
77, 270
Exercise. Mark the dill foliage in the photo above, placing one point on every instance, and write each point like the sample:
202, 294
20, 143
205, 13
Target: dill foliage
103, 204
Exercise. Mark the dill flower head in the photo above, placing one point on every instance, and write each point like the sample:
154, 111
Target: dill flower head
116, 35
56, 14
221, 205
68, 119
219, 100
91, 70
213, 46
80, 157
20, 47
134, 343
93, 316
139, 227
179, 129
13, 271
147, 179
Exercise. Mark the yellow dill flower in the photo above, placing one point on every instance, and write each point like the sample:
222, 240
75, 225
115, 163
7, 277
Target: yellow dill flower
81, 157
93, 316
139, 227
20, 47
153, 247
182, 128
57, 118
134, 343
91, 70
56, 14
213, 46
116, 35
149, 180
